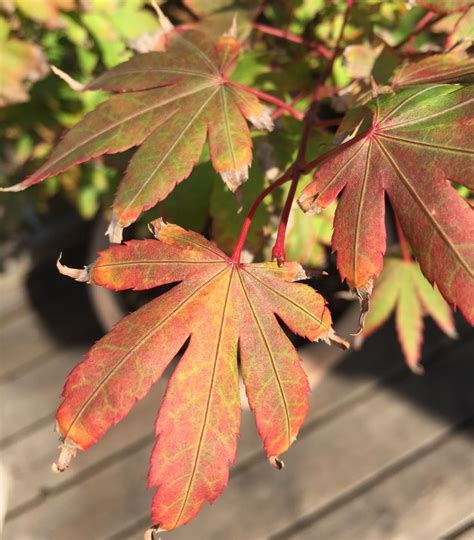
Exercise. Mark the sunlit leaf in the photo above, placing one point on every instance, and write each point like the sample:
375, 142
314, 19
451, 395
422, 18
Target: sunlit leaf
419, 140
224, 309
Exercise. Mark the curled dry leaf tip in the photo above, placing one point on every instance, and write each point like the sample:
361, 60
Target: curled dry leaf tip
114, 230
150, 533
165, 23
276, 462
232, 32
79, 274
363, 294
66, 455
72, 83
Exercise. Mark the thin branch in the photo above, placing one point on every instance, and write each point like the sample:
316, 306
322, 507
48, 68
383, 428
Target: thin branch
267, 97
293, 38
278, 250
248, 219
428, 19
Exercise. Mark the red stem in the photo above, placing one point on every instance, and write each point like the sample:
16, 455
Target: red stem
283, 34
336, 51
276, 114
405, 248
267, 97
278, 251
427, 20
248, 219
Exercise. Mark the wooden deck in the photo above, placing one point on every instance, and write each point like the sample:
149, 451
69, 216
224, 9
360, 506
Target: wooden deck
384, 454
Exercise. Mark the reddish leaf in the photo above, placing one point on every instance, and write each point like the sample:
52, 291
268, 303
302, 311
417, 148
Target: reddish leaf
444, 6
419, 140
171, 102
221, 307
401, 288
455, 66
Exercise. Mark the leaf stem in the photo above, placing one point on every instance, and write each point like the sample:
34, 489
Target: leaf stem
425, 22
248, 219
299, 166
278, 251
267, 97
405, 248
293, 38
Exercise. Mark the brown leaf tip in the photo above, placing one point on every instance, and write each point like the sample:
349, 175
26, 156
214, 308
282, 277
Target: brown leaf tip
416, 368
150, 533
234, 179
165, 23
79, 274
276, 462
340, 342
66, 455
156, 226
263, 121
114, 230
363, 294
72, 83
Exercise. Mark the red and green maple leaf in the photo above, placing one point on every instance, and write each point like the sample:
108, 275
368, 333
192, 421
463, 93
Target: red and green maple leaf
455, 66
169, 103
224, 309
418, 142
402, 288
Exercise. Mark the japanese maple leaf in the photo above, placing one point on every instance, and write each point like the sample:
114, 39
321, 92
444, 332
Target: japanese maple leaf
445, 6
223, 309
419, 140
169, 103
455, 66
402, 288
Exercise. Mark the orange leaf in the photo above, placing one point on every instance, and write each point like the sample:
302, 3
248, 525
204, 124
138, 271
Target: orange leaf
222, 308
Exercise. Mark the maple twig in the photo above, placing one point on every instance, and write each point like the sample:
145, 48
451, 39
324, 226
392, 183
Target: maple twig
428, 19
267, 97
248, 219
276, 114
293, 38
405, 248
336, 51
278, 251
299, 166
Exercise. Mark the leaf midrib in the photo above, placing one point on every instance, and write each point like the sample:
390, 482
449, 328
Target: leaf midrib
124, 120
272, 361
421, 205
208, 402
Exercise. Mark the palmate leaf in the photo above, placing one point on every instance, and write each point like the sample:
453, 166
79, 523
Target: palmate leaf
419, 140
222, 308
402, 288
171, 102
455, 66
445, 6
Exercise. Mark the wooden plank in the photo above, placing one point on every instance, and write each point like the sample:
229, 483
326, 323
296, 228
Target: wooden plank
30, 456
463, 530
12, 286
338, 453
34, 396
416, 502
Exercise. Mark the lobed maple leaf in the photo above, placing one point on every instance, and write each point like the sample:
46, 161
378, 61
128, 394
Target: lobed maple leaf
402, 288
455, 66
224, 309
171, 102
445, 6
418, 141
